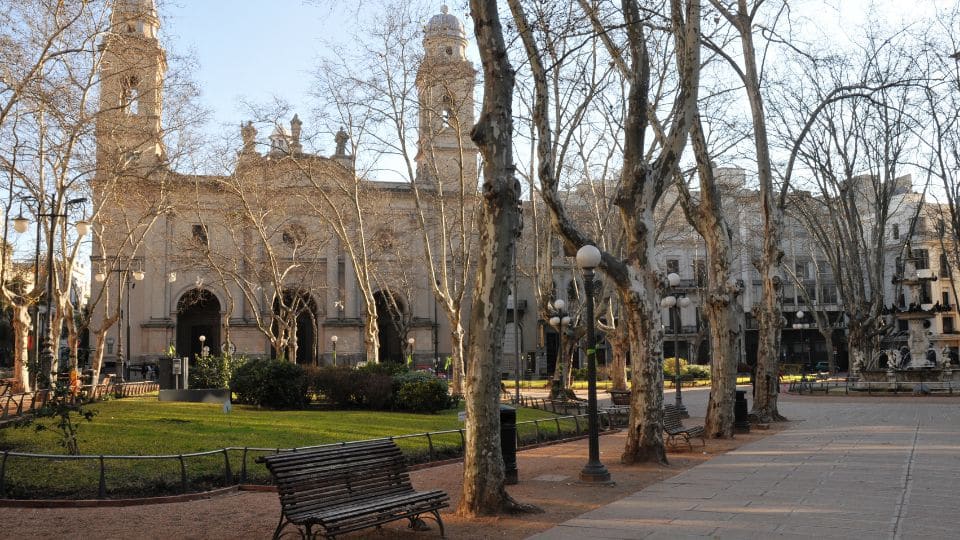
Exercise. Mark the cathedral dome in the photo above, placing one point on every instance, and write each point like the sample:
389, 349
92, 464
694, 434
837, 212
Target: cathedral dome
445, 25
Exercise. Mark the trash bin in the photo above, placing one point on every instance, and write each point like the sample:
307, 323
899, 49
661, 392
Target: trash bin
741, 420
508, 443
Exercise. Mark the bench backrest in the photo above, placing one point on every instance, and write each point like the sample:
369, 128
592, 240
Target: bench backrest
320, 477
671, 418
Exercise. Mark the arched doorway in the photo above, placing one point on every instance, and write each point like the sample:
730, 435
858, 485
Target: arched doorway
301, 302
389, 313
198, 314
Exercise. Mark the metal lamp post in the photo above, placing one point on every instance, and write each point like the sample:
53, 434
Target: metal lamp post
138, 275
410, 342
333, 343
803, 335
673, 303
588, 258
558, 321
20, 225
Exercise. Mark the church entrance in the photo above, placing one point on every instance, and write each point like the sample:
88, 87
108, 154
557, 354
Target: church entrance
198, 314
306, 312
389, 310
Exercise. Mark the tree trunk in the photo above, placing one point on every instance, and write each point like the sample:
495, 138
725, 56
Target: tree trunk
457, 365
371, 332
720, 310
645, 435
483, 475
767, 384
618, 366
21, 333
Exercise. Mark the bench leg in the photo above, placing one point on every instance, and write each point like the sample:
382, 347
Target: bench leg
280, 526
417, 524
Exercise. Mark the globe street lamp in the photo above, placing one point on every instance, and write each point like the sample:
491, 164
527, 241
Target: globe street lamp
410, 342
558, 321
333, 343
673, 303
588, 258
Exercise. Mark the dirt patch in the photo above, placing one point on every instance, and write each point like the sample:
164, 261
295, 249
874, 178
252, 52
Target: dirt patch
548, 479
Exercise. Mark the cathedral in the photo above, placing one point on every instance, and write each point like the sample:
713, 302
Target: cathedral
291, 254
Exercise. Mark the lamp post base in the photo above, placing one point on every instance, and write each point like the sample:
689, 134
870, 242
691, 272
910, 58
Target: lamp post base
595, 473
682, 409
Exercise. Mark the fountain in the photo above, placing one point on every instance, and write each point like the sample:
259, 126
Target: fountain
916, 360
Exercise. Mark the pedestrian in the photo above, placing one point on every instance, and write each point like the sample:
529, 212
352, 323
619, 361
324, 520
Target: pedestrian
143, 372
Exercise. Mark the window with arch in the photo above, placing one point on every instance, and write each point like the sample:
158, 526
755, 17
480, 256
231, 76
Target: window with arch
447, 116
295, 235
130, 96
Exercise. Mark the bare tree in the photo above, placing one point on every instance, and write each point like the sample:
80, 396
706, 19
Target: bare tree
483, 474
414, 105
645, 174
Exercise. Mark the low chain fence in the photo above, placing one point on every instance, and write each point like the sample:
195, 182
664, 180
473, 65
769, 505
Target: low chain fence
47, 476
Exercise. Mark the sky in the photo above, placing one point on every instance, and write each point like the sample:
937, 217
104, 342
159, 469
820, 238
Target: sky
258, 50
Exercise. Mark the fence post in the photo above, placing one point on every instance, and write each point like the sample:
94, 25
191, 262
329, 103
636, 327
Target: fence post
102, 489
433, 456
227, 474
243, 466
576, 420
3, 474
536, 424
183, 474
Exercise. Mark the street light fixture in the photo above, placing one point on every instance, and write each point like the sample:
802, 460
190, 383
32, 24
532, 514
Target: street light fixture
588, 258
410, 342
333, 342
673, 303
20, 224
558, 321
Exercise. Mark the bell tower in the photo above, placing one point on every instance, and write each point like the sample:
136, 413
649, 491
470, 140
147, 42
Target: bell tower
445, 85
129, 136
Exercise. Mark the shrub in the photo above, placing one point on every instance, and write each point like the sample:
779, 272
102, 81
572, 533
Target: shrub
420, 392
695, 371
668, 367
580, 374
345, 387
213, 371
277, 384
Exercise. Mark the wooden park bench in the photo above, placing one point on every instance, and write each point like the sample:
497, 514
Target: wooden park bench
348, 487
620, 397
674, 429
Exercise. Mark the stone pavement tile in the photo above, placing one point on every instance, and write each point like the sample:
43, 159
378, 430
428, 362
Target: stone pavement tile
927, 527
813, 531
849, 522
725, 505
567, 532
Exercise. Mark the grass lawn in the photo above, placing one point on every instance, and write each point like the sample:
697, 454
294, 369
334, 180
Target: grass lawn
143, 426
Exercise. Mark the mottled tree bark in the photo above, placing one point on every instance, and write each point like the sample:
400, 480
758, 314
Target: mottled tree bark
719, 302
483, 475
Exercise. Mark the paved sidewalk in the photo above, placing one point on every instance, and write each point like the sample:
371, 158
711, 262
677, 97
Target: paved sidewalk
852, 469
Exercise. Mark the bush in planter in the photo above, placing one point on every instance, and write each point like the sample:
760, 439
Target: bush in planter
420, 392
213, 371
277, 384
